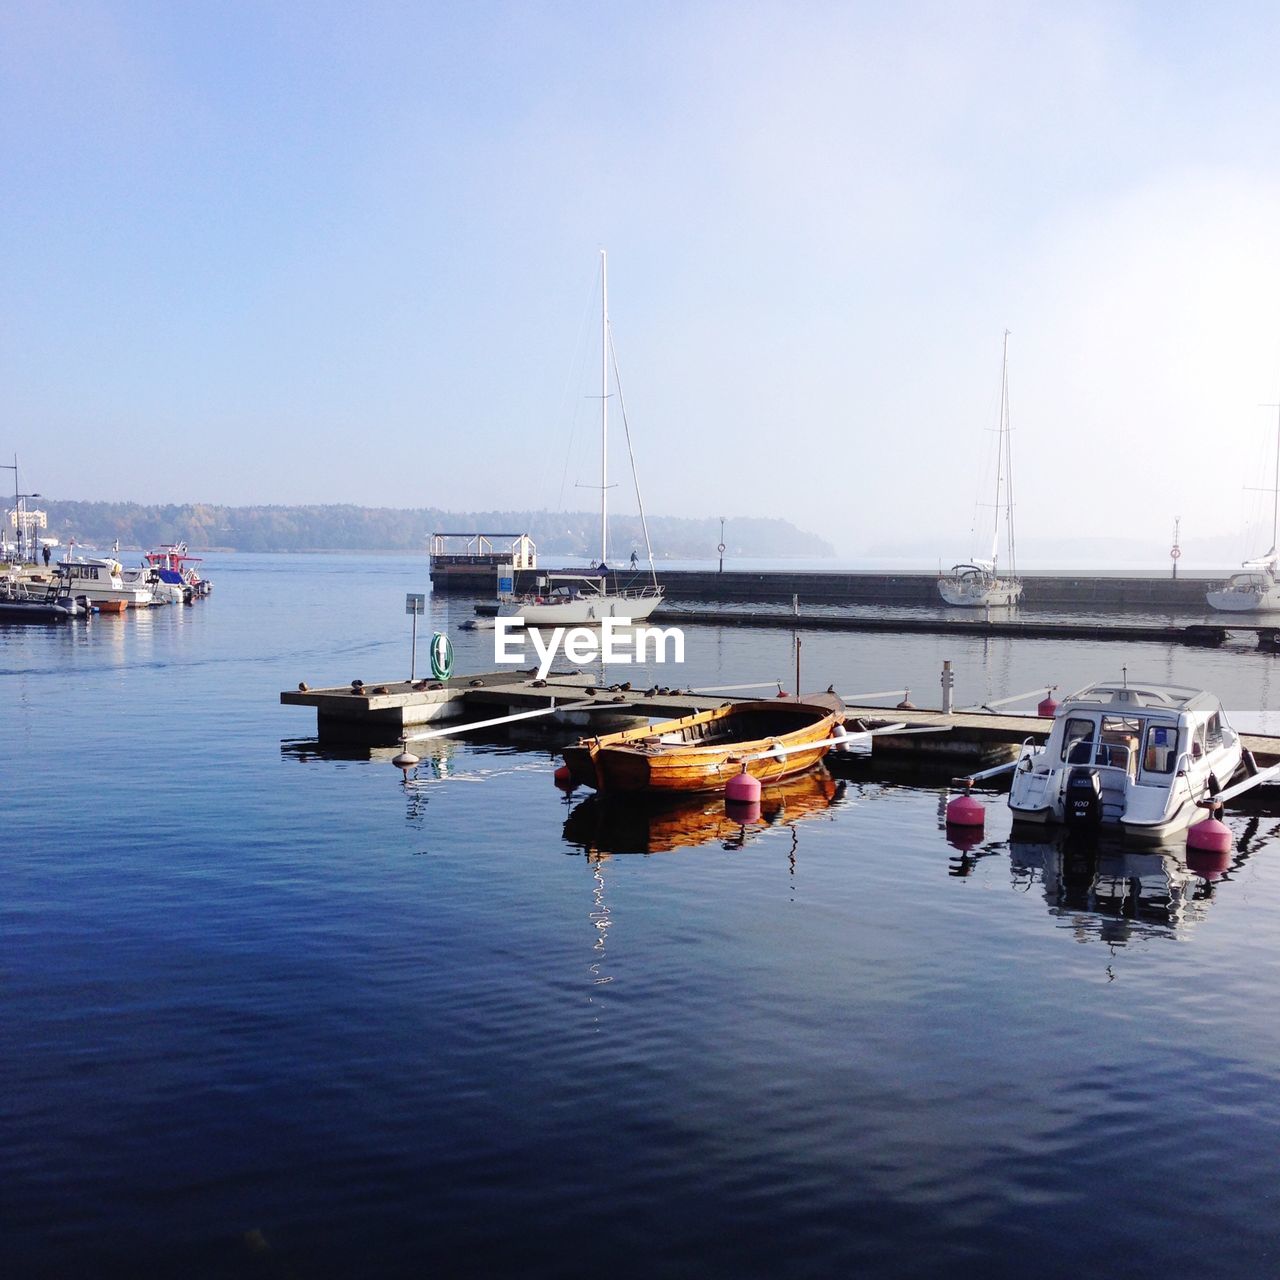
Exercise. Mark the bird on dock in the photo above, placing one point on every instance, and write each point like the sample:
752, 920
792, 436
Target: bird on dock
357, 686
303, 686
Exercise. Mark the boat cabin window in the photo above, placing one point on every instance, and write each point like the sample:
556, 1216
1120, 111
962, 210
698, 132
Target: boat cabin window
1119, 741
1077, 740
1161, 751
1213, 732
1197, 742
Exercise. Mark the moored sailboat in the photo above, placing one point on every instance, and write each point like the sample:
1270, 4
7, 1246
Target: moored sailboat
590, 596
978, 583
1257, 587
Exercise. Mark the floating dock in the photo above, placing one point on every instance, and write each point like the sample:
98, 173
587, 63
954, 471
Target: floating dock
1199, 634
573, 704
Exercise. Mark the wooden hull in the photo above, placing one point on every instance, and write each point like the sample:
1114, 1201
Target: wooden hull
702, 752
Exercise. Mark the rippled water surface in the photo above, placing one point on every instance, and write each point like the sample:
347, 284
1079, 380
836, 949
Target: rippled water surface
270, 1010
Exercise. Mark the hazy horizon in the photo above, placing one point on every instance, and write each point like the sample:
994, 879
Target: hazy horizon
275, 253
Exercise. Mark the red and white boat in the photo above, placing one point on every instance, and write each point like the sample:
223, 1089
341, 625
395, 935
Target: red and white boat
177, 567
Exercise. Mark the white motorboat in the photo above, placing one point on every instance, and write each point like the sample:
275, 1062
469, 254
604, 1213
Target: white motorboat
149, 578
977, 583
1257, 587
177, 568
593, 595
1134, 757
100, 582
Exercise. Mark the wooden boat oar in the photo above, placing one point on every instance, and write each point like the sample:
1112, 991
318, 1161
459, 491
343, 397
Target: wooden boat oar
519, 715
897, 729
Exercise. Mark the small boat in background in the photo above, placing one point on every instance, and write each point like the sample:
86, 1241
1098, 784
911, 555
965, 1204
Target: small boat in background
1256, 588
99, 581
978, 584
40, 600
771, 740
176, 567
591, 596
18, 601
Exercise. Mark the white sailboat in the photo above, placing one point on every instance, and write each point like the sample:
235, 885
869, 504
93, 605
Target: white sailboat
978, 583
1257, 586
590, 596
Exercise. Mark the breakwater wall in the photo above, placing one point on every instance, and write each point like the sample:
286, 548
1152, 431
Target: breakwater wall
921, 589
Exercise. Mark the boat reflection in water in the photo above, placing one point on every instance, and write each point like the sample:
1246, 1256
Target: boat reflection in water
602, 824
1106, 890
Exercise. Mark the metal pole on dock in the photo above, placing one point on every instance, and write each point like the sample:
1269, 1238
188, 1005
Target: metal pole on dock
414, 604
799, 642
948, 687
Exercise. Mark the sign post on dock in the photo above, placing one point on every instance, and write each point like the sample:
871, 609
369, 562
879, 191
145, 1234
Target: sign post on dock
414, 605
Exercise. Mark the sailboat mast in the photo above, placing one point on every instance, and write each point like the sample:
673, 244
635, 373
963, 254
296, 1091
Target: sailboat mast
604, 409
1008, 462
1275, 501
1000, 449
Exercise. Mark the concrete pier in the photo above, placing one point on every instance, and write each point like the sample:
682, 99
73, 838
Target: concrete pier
967, 622
1039, 591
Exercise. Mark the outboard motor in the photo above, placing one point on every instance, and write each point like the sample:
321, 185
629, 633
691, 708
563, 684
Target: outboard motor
1082, 801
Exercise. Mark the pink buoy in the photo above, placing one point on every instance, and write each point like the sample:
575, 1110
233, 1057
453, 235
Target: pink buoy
1047, 707
1209, 836
742, 788
564, 778
965, 811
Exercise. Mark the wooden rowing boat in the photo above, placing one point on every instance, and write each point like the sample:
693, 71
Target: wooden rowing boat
701, 752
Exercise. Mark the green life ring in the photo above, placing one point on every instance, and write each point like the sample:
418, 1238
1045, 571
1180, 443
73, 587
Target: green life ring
441, 656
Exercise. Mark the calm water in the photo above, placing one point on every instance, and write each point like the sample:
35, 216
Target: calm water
268, 1010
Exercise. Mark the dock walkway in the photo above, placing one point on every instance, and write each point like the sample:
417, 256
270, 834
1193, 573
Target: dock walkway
964, 738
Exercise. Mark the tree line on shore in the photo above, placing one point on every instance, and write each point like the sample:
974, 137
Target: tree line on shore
340, 527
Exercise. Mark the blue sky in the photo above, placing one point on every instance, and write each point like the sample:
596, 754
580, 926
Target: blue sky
287, 252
